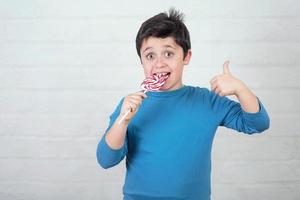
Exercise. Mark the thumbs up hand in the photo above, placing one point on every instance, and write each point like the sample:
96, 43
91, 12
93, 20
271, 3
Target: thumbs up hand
225, 84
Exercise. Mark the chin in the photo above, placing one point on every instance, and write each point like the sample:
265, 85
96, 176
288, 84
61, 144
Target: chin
164, 89
167, 88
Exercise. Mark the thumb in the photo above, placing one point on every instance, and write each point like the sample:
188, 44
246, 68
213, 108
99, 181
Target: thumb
226, 67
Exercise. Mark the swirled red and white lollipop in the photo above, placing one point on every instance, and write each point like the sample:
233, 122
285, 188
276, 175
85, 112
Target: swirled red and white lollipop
154, 82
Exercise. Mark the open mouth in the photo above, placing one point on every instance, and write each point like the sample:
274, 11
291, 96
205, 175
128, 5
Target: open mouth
166, 74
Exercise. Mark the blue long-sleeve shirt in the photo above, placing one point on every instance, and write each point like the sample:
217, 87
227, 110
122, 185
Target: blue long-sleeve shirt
168, 142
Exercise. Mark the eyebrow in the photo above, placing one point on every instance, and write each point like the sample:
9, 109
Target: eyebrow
147, 49
167, 46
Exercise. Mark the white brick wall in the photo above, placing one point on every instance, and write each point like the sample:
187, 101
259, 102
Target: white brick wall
65, 64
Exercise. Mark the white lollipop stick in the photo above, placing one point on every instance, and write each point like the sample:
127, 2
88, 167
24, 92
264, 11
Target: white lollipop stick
120, 121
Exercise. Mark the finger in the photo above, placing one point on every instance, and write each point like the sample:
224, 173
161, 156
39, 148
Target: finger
142, 94
221, 94
139, 96
134, 104
213, 86
226, 67
217, 91
213, 79
129, 104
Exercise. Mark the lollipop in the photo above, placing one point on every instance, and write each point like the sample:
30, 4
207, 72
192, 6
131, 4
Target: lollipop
151, 83
154, 82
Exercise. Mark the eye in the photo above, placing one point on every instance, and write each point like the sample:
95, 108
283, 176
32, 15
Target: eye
150, 56
168, 54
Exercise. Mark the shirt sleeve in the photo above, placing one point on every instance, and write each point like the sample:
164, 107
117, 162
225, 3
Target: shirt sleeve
106, 156
233, 116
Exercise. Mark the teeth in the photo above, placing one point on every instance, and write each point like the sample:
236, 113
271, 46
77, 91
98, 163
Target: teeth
162, 74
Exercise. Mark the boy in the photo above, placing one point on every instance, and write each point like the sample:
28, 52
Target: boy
167, 136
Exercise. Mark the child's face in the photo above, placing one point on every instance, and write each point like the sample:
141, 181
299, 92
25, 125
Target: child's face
163, 55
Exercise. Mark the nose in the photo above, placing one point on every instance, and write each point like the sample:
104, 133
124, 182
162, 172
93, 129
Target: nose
160, 62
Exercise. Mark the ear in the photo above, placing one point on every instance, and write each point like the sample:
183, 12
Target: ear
187, 58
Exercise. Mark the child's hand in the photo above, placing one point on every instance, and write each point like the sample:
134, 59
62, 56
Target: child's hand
131, 103
225, 84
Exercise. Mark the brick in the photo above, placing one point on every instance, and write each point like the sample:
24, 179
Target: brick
259, 147
265, 8
282, 126
54, 125
66, 102
283, 103
100, 79
285, 125
251, 54
102, 55
59, 170
47, 190
256, 77
59, 102
71, 78
245, 172
80, 9
244, 30
69, 30
298, 148
124, 54
266, 191
215, 30
93, 9
48, 147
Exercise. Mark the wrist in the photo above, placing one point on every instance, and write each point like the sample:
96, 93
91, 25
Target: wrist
241, 89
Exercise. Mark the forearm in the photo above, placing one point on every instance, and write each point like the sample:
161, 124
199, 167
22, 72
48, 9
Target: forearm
115, 137
248, 100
